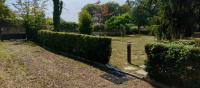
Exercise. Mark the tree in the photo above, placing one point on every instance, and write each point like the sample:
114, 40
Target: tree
145, 12
110, 9
85, 22
31, 12
105, 11
6, 15
115, 22
68, 26
179, 19
124, 8
92, 9
139, 14
57, 10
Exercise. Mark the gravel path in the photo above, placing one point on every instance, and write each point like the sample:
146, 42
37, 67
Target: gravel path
26, 65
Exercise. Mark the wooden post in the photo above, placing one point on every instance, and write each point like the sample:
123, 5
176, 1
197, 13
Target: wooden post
129, 52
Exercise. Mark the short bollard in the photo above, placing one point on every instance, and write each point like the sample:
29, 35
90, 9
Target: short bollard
129, 52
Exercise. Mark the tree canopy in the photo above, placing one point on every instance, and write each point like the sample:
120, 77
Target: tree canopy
6, 15
179, 19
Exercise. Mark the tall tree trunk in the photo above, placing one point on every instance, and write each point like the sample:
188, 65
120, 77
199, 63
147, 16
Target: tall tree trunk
56, 13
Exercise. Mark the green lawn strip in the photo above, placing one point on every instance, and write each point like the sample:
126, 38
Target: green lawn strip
119, 49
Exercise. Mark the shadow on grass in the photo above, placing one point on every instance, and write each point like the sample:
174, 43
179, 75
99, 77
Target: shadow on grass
112, 74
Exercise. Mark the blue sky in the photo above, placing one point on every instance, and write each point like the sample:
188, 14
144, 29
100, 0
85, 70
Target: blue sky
71, 7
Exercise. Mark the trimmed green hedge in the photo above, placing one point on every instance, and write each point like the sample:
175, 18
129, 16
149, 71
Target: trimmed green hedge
89, 47
174, 64
193, 42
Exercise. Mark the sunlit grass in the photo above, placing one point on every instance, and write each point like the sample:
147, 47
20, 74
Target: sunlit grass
119, 49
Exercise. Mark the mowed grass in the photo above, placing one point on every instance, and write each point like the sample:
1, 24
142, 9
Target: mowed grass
119, 49
26, 65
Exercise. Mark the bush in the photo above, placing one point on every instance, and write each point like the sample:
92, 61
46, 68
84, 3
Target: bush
31, 34
117, 22
144, 31
131, 29
89, 47
98, 27
193, 42
153, 30
174, 64
68, 26
85, 22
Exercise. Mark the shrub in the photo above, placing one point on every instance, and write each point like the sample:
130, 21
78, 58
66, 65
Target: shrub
131, 29
144, 31
174, 64
153, 30
31, 34
149, 30
98, 27
89, 47
68, 26
116, 22
85, 22
193, 42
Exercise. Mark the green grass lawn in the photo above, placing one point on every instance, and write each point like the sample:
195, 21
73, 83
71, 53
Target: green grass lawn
119, 49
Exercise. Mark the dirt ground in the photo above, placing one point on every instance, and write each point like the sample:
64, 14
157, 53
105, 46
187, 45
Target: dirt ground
26, 65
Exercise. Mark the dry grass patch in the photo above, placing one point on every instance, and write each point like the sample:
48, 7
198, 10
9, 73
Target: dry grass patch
30, 66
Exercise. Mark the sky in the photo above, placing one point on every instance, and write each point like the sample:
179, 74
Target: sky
71, 8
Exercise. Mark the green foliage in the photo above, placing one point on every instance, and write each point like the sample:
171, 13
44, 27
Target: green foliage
179, 18
98, 27
110, 9
133, 29
57, 10
139, 16
85, 22
149, 30
106, 11
49, 21
6, 15
68, 26
193, 42
92, 48
153, 30
92, 9
115, 22
142, 12
32, 15
2, 1
174, 63
124, 8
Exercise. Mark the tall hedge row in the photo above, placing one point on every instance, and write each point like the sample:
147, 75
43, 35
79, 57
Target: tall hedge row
89, 47
174, 64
